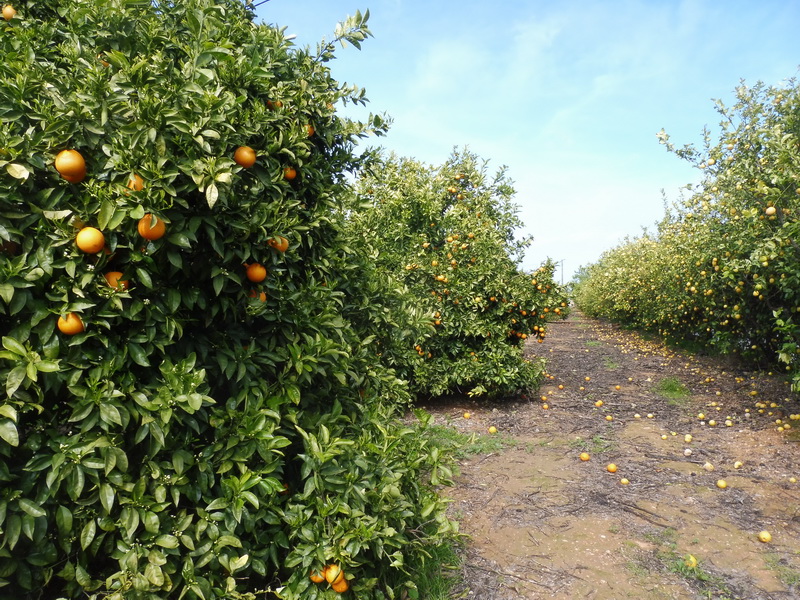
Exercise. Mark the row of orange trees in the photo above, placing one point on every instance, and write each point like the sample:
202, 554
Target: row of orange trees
446, 235
200, 353
722, 270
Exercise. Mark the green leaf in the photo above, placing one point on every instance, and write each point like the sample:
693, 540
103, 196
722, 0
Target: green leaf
107, 496
14, 346
64, 520
31, 508
167, 541
6, 292
17, 171
212, 195
138, 354
9, 433
88, 533
15, 378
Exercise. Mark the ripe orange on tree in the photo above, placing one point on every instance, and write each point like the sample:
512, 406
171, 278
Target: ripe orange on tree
310, 129
262, 296
245, 156
71, 324
334, 574
90, 240
256, 272
70, 164
289, 173
136, 183
151, 227
113, 278
341, 587
9, 12
316, 576
279, 243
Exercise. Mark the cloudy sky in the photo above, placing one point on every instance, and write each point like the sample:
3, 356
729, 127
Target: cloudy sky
568, 94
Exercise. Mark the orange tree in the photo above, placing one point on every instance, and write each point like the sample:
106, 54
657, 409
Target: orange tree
188, 411
447, 234
723, 268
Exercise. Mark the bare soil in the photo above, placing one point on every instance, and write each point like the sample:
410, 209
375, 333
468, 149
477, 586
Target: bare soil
541, 523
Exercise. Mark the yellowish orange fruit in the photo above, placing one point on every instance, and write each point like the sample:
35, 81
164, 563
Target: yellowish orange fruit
9, 12
71, 165
316, 576
281, 244
611, 468
90, 240
70, 324
585, 456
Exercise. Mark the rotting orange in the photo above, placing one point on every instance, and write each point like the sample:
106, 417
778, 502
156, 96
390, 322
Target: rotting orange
151, 227
70, 324
90, 240
71, 165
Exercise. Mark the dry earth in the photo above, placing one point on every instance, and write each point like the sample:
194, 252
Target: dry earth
541, 523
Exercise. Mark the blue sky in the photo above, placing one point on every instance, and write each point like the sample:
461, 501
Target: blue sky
569, 95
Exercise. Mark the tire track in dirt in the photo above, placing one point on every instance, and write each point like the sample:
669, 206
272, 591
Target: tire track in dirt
543, 524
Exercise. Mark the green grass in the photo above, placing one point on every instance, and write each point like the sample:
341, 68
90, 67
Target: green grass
462, 445
610, 364
789, 575
593, 343
596, 445
672, 388
438, 577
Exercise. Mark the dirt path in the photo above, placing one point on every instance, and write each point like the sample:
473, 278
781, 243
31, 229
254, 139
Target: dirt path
544, 524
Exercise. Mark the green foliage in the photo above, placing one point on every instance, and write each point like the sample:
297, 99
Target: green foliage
446, 235
671, 387
195, 441
721, 271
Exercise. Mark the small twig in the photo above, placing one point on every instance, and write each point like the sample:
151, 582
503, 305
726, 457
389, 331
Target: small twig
501, 574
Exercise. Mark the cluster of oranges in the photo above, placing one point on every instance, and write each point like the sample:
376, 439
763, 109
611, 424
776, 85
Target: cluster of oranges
71, 165
334, 575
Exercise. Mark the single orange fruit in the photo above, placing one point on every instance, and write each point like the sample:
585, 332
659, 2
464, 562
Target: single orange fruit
289, 173
256, 273
70, 165
262, 296
280, 244
310, 129
245, 156
341, 587
151, 227
585, 456
612, 468
8, 12
316, 576
90, 240
136, 183
334, 574
274, 105
70, 325
113, 278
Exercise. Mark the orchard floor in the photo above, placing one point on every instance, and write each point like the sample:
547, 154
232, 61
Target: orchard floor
541, 523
